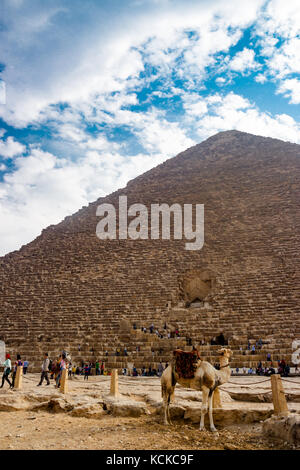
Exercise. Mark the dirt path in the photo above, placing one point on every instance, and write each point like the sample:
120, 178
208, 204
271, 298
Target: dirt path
43, 430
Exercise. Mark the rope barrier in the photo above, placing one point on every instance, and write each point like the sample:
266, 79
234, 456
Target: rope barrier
249, 384
291, 381
237, 393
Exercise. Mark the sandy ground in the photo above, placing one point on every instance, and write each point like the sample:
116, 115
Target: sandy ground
40, 429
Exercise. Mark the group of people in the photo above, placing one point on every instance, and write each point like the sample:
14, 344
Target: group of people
268, 369
173, 333
9, 370
145, 372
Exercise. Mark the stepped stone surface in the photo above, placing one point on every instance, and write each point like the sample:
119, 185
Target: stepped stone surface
67, 288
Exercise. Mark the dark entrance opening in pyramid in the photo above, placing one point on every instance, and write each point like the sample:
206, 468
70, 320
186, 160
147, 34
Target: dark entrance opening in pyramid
196, 303
197, 290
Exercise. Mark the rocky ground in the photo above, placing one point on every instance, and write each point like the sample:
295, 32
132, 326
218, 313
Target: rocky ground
88, 418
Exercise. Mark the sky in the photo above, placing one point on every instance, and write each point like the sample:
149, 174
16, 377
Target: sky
94, 93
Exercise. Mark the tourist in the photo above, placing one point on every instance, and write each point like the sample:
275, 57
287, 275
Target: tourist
249, 345
253, 349
45, 370
286, 371
260, 343
17, 363
259, 369
86, 372
118, 352
25, 366
102, 368
6, 372
106, 353
250, 371
125, 351
97, 367
269, 357
151, 328
237, 370
134, 326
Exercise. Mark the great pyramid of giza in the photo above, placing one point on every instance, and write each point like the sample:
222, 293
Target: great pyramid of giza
68, 289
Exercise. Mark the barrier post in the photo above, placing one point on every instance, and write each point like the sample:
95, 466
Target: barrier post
279, 400
114, 383
64, 381
18, 379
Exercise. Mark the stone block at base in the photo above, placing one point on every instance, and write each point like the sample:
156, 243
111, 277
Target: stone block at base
286, 428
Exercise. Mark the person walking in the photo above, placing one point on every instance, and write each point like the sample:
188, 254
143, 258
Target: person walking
45, 370
25, 366
7, 370
86, 372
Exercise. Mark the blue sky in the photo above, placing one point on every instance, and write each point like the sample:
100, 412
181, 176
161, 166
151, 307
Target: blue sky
95, 93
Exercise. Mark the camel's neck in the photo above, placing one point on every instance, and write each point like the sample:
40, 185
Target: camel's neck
224, 371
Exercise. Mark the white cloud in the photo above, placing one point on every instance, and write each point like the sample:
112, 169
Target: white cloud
235, 112
279, 28
291, 89
260, 78
102, 58
243, 61
9, 148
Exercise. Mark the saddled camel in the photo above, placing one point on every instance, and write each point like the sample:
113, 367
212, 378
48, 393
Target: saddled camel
206, 378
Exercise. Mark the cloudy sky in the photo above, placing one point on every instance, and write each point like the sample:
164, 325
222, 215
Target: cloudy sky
95, 93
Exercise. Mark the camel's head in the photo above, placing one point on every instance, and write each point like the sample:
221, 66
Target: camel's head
225, 352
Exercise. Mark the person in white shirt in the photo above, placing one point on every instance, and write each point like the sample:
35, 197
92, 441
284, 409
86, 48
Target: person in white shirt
7, 371
45, 370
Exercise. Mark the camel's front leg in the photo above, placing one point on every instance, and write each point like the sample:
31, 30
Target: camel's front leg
166, 407
210, 407
168, 411
205, 392
165, 410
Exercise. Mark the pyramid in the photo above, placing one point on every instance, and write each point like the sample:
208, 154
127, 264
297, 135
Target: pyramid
68, 289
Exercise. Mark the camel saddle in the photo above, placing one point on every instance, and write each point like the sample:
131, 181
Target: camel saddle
186, 363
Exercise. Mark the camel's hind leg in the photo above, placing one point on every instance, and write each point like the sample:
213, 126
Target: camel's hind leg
205, 392
210, 408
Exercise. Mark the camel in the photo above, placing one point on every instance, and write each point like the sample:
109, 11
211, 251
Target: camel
206, 379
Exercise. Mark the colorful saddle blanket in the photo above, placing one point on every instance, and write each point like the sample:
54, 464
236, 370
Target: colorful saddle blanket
185, 363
